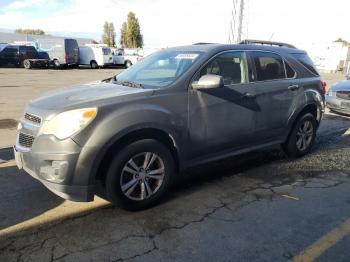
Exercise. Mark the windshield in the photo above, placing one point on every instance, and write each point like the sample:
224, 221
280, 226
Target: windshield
159, 69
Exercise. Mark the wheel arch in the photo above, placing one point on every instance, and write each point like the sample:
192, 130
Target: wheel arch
116, 144
309, 108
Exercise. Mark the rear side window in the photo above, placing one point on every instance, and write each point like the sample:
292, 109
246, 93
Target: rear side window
269, 66
305, 60
71, 45
290, 72
10, 51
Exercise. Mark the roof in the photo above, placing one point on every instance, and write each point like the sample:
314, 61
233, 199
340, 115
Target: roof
223, 47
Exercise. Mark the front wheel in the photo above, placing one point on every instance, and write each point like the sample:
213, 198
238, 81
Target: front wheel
302, 136
140, 174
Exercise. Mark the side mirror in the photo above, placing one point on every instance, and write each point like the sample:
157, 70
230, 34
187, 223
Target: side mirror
208, 82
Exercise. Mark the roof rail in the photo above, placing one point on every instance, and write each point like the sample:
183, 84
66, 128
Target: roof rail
202, 43
263, 42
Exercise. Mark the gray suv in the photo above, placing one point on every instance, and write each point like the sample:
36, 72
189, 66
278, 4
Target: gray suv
177, 108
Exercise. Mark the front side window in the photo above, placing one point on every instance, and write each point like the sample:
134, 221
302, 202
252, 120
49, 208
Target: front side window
160, 69
106, 51
268, 66
232, 66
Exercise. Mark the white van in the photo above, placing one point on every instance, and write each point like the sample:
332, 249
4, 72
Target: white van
95, 55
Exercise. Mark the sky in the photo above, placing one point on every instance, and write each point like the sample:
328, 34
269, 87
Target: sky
179, 22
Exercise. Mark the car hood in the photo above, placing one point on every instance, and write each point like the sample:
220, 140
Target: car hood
342, 86
86, 95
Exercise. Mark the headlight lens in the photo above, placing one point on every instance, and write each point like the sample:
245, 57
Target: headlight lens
69, 123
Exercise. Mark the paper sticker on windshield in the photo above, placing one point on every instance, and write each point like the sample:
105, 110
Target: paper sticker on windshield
186, 56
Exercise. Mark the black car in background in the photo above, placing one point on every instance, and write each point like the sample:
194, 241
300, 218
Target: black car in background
15, 55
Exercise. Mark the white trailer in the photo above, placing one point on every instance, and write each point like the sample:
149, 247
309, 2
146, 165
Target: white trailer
95, 55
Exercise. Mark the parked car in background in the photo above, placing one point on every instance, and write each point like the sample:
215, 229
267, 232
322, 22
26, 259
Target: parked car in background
184, 106
61, 52
338, 97
131, 56
22, 56
95, 55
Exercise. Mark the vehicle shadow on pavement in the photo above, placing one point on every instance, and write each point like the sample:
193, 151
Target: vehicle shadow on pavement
22, 197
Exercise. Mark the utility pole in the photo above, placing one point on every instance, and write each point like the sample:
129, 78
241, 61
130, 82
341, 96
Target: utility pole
240, 21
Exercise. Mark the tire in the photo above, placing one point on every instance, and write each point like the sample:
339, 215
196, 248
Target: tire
93, 65
56, 63
302, 136
128, 64
27, 64
154, 185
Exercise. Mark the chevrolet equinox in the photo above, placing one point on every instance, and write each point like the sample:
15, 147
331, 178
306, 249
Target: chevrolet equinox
177, 108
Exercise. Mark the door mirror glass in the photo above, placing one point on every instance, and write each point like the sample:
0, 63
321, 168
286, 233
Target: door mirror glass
208, 82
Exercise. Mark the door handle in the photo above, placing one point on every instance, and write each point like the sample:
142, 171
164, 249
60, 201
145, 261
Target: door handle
293, 87
248, 95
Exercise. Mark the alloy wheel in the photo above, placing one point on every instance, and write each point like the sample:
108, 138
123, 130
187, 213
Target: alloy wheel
304, 135
142, 176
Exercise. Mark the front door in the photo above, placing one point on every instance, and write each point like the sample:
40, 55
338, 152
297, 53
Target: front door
222, 118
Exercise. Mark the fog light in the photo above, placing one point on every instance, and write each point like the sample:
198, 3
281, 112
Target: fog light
56, 172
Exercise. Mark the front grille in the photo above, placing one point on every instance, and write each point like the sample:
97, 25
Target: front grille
343, 94
33, 118
25, 140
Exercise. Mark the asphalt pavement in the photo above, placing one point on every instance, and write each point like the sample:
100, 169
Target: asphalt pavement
260, 206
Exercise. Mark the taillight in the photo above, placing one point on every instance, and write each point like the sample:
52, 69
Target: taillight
65, 56
324, 86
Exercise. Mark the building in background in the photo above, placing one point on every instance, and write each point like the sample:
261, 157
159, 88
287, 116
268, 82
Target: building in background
333, 57
32, 39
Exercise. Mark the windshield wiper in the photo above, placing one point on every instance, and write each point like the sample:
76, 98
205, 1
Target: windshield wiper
128, 83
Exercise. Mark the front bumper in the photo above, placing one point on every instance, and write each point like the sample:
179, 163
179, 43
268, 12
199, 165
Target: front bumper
54, 164
337, 104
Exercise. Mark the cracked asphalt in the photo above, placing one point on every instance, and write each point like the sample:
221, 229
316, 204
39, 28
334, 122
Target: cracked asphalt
259, 206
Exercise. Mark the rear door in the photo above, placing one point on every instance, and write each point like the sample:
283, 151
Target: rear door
275, 89
71, 51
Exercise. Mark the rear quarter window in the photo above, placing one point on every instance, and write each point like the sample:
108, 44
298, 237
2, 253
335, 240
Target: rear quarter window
305, 60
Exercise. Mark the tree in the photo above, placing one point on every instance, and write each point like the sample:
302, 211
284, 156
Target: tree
108, 36
123, 32
29, 31
130, 33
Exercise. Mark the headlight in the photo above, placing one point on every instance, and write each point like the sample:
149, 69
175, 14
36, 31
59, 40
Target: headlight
69, 123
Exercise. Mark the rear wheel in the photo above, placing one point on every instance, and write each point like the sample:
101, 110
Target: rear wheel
27, 64
140, 174
56, 63
302, 136
94, 65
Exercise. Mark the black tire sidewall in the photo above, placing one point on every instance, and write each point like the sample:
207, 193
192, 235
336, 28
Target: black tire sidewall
291, 147
113, 188
94, 65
